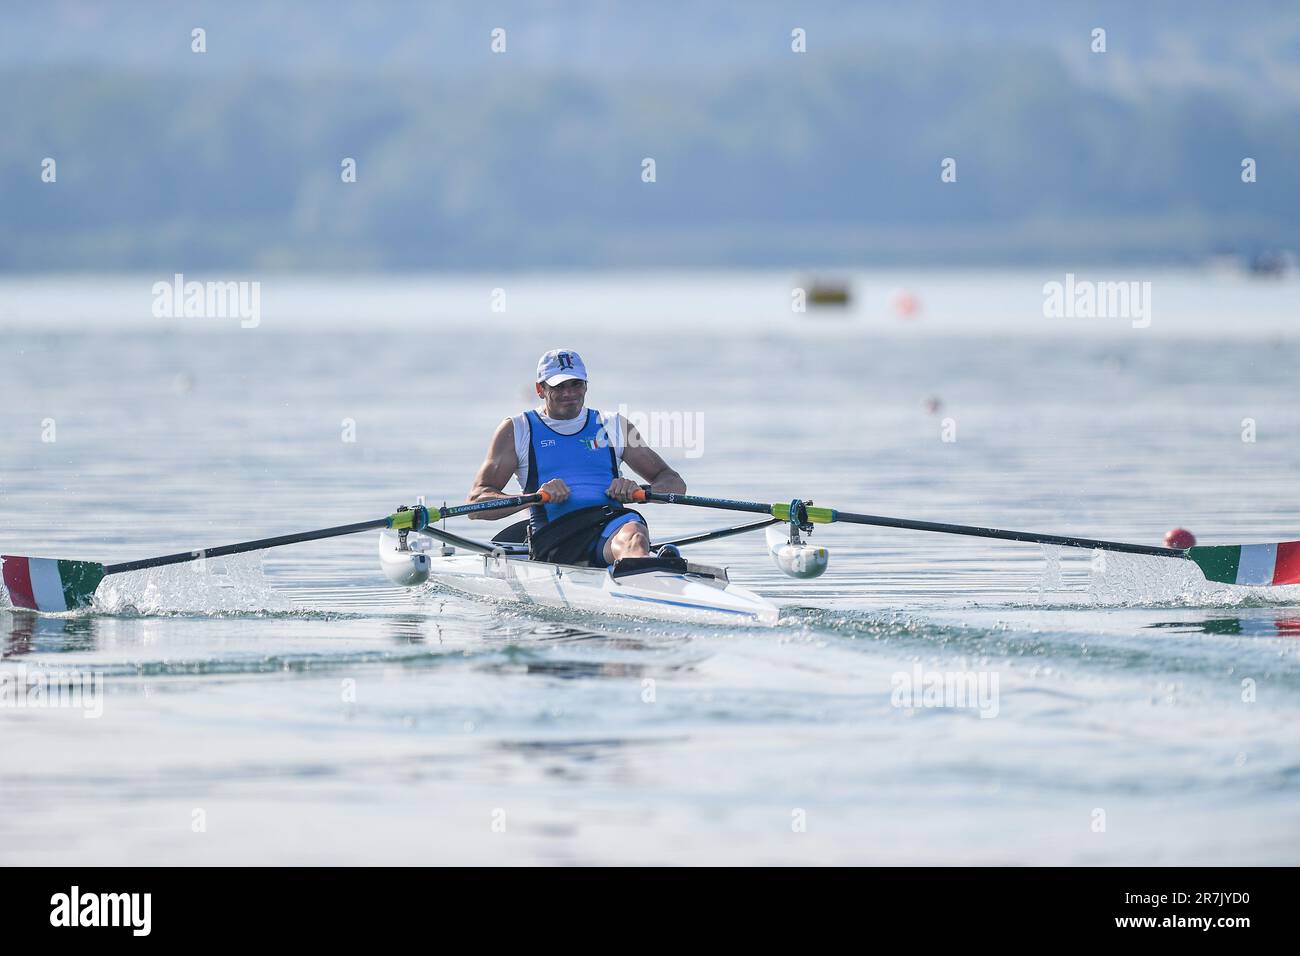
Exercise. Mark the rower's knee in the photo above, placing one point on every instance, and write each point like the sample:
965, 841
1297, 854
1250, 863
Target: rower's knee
630, 541
636, 538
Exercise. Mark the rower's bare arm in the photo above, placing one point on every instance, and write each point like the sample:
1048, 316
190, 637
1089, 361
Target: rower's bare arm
645, 461
495, 472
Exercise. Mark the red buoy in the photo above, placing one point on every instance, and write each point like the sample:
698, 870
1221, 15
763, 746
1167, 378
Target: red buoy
904, 303
1179, 538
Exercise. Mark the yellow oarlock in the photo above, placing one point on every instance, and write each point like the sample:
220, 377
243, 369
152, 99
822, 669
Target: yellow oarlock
405, 520
815, 515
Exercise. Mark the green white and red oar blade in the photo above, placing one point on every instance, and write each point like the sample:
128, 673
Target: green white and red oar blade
49, 584
1251, 564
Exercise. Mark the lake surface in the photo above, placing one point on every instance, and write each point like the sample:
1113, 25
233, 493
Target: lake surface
290, 707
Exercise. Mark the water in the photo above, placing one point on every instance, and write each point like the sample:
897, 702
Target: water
302, 711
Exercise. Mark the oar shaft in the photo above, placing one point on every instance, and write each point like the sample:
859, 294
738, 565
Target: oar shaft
719, 533
722, 504
182, 556
830, 516
1034, 537
491, 504
401, 519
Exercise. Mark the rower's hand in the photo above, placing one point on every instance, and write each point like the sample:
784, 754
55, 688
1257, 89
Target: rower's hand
557, 489
622, 489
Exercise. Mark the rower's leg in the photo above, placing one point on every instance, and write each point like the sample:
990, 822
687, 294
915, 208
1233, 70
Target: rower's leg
632, 540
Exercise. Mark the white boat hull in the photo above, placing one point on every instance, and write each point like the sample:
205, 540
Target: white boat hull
693, 598
674, 597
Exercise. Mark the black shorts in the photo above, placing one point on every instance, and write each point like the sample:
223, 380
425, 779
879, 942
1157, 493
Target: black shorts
575, 537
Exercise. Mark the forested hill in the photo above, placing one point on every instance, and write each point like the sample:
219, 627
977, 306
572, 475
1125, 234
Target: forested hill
533, 157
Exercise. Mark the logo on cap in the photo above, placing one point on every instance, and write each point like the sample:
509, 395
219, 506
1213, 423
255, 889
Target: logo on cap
560, 365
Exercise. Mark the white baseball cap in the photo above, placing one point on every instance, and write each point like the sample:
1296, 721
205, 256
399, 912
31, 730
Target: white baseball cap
560, 365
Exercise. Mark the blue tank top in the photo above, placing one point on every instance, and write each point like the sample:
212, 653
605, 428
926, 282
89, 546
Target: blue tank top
585, 461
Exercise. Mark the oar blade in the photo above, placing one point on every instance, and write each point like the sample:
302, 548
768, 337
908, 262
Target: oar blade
50, 584
1267, 565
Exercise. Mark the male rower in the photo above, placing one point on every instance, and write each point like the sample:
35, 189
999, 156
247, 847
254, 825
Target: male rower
573, 453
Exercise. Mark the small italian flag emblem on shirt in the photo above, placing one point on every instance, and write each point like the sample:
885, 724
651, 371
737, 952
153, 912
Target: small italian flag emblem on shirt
592, 444
44, 584
1250, 563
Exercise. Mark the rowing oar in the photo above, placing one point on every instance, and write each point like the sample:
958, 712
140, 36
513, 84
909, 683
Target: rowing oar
1254, 564
54, 584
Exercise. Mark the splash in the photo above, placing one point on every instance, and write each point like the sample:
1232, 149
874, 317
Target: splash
1071, 578
234, 584
1126, 580
1050, 581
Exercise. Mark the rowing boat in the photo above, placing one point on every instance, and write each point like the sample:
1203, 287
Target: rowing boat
702, 594
656, 587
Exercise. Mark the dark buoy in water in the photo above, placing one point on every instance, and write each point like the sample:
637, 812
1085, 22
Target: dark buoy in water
1179, 538
826, 291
